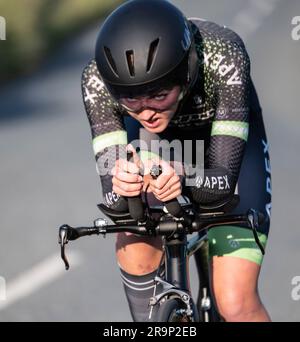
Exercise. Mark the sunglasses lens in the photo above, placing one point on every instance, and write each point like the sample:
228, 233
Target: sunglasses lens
129, 105
161, 102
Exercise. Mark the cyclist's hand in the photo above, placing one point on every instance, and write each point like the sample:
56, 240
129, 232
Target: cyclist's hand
168, 185
126, 179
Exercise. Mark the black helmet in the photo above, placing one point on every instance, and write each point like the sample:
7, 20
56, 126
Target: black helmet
145, 46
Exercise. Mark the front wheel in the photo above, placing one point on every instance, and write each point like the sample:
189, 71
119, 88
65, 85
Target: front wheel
173, 310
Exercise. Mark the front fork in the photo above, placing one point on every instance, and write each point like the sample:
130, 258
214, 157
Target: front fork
206, 302
176, 283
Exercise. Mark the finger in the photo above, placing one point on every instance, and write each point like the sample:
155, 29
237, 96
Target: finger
176, 187
121, 192
167, 173
136, 159
114, 170
172, 196
161, 181
128, 177
128, 187
172, 182
129, 167
167, 168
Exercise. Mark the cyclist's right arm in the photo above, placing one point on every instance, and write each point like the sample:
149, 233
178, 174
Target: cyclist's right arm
108, 133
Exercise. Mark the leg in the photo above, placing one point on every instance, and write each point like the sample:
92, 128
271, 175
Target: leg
236, 260
235, 288
138, 255
235, 264
139, 260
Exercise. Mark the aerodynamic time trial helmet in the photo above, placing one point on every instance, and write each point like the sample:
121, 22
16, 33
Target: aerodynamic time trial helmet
145, 46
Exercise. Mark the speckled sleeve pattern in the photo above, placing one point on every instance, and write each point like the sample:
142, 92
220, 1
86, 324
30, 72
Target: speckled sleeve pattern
227, 80
108, 133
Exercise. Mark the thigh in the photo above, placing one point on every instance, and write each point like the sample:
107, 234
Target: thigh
237, 242
234, 279
234, 282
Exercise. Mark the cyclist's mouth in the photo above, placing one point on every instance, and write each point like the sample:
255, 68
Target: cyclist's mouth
152, 123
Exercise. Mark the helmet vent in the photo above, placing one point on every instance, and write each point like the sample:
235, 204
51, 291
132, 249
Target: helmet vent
111, 61
130, 62
152, 53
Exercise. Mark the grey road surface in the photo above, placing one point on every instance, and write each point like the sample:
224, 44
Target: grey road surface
48, 176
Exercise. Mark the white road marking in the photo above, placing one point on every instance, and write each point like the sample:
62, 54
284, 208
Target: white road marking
249, 19
38, 276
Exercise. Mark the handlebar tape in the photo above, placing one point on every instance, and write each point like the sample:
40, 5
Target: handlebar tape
135, 204
174, 208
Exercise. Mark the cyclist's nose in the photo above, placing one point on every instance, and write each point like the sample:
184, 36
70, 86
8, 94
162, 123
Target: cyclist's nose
147, 114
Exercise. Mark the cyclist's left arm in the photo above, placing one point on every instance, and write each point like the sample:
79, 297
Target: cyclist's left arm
229, 130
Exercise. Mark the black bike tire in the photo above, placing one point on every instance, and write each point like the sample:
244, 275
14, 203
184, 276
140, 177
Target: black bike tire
168, 309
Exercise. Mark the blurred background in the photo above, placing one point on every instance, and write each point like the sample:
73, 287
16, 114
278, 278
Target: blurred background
47, 169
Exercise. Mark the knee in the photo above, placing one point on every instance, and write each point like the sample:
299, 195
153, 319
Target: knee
133, 244
237, 305
138, 255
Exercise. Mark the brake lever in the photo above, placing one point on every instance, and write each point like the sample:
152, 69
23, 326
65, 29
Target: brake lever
63, 240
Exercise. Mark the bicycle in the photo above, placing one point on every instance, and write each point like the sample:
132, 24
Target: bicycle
175, 303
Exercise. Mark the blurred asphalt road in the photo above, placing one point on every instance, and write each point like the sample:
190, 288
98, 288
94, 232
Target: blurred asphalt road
48, 176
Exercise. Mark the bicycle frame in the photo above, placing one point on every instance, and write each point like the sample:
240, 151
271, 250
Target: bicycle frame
178, 251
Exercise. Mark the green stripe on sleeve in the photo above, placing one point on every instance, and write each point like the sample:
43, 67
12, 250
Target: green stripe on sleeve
237, 129
109, 139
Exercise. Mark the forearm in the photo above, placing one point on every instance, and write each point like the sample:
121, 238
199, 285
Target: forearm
213, 186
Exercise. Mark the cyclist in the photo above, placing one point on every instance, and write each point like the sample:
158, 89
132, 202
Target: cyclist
158, 75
